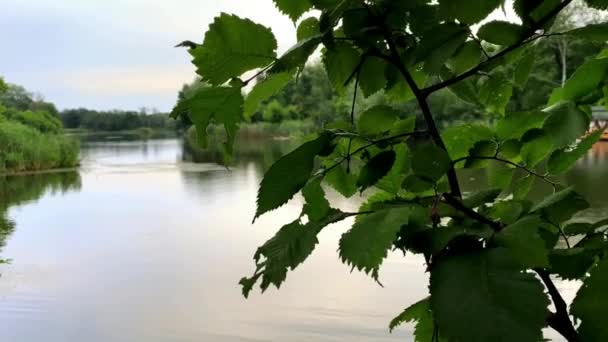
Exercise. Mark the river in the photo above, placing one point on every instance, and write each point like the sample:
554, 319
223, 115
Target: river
142, 245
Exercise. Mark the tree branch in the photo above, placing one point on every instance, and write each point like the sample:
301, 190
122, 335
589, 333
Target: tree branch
526, 38
458, 205
560, 320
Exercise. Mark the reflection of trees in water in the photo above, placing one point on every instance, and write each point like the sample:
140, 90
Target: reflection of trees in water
590, 175
18, 190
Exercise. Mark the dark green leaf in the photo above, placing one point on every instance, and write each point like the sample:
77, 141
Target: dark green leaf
566, 123
340, 61
460, 139
297, 55
416, 184
371, 76
495, 93
366, 244
231, 47
430, 162
466, 57
343, 182
377, 119
587, 78
501, 33
562, 160
591, 305
523, 69
524, 243
596, 32
316, 207
514, 125
288, 175
481, 197
499, 174
469, 12
522, 187
377, 167
265, 89
507, 211
438, 44
537, 145
578, 228
420, 313
468, 290
293, 9
392, 181
561, 206
571, 263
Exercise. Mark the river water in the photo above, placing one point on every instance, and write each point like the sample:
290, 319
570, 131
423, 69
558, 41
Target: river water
142, 245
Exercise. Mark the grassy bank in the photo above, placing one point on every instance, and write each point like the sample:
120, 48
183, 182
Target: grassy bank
25, 148
132, 134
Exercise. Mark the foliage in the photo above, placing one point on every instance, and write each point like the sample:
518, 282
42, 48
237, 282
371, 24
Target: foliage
111, 121
482, 249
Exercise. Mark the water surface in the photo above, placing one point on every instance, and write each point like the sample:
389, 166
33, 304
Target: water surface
140, 245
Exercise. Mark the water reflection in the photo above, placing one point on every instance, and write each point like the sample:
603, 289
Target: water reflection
144, 244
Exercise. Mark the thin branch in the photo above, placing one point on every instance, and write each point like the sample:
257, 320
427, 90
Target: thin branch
458, 205
560, 320
527, 38
263, 70
474, 37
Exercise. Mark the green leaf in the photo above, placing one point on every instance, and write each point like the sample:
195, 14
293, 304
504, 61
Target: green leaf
587, 78
296, 56
566, 123
578, 228
340, 61
308, 28
501, 33
288, 175
469, 12
293, 9
467, 292
404, 126
460, 139
430, 162
499, 174
514, 125
466, 89
366, 244
522, 187
571, 263
222, 104
507, 211
316, 207
371, 76
597, 4
377, 167
481, 197
524, 243
562, 160
377, 119
438, 44
591, 305
523, 68
561, 206
467, 56
594, 32
495, 93
264, 89
233, 46
537, 144
343, 182
392, 181
420, 313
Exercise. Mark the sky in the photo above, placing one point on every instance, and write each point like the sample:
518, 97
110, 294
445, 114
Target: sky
114, 54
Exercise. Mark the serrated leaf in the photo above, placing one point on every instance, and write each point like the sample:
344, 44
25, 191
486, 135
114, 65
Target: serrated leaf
430, 161
562, 160
308, 28
594, 32
233, 46
377, 119
495, 93
343, 182
316, 207
561, 206
507, 211
515, 124
587, 78
288, 175
420, 313
501, 33
263, 90
297, 55
522, 187
499, 174
340, 61
460, 139
466, 57
566, 123
438, 44
468, 290
371, 76
524, 243
469, 12
392, 181
221, 104
537, 144
597, 4
367, 243
293, 9
481, 197
523, 68
375, 169
591, 305
571, 263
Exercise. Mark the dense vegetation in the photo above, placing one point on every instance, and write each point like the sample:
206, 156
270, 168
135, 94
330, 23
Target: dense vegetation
492, 254
31, 134
115, 120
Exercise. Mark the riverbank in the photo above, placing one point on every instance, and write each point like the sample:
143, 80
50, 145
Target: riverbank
132, 134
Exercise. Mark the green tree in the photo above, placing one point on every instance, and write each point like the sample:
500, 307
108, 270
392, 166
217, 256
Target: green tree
492, 253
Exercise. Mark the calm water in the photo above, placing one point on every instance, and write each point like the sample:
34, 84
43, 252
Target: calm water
142, 246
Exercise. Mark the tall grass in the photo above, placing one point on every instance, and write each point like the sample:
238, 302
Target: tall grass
23, 148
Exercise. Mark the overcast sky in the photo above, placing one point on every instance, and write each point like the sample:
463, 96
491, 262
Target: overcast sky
113, 54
